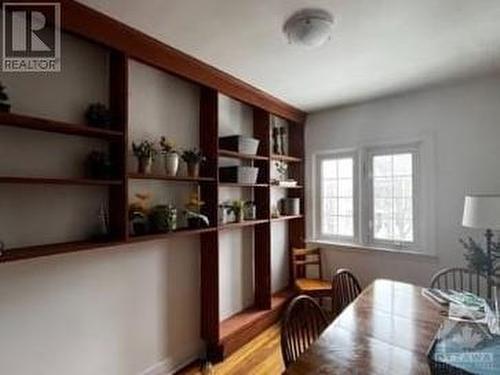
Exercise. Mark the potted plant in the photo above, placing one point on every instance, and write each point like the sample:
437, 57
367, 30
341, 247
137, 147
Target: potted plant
237, 208
138, 214
4, 100
193, 159
171, 157
145, 153
163, 218
99, 115
193, 214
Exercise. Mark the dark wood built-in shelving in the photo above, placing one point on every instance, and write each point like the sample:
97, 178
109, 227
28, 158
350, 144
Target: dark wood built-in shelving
237, 155
246, 223
238, 185
160, 177
285, 218
45, 125
176, 233
125, 43
57, 181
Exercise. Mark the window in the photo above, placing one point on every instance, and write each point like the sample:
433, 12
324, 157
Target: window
382, 194
337, 196
391, 205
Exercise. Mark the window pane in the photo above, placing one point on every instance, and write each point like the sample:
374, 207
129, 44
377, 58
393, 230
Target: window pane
329, 169
382, 187
345, 207
345, 168
403, 164
403, 187
346, 226
337, 214
393, 197
382, 165
345, 188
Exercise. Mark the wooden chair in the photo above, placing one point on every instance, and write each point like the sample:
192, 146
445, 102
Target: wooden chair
314, 287
345, 290
302, 324
460, 279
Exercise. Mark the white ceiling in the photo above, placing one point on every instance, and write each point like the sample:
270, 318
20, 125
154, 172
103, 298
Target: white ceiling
379, 47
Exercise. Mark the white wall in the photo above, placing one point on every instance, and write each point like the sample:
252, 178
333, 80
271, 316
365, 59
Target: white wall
121, 311
462, 122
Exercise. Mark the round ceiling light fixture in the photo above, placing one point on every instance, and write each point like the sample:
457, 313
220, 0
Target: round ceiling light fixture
309, 28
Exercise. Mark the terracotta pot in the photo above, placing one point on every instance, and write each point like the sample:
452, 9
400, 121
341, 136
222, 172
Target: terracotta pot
193, 169
171, 164
145, 165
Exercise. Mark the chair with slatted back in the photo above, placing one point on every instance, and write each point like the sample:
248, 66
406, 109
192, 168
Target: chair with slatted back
302, 324
314, 287
461, 280
345, 290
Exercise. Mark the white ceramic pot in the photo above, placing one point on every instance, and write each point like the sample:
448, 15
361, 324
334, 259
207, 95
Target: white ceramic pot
171, 164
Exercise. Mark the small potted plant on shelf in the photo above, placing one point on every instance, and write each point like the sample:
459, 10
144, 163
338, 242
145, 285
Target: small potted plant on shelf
193, 159
170, 155
237, 208
145, 153
99, 116
163, 218
99, 166
138, 214
193, 214
4, 100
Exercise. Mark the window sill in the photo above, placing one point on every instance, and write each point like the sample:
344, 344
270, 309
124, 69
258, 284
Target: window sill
350, 247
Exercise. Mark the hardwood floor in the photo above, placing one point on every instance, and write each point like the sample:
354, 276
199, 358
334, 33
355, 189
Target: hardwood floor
261, 356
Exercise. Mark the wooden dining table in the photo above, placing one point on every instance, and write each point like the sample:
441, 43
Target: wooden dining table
387, 330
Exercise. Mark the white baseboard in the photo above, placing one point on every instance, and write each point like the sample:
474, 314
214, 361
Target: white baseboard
168, 366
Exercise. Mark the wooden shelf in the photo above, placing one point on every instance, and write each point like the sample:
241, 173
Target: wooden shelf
246, 223
57, 181
287, 187
52, 249
284, 218
290, 159
242, 327
177, 233
237, 155
237, 185
46, 125
161, 177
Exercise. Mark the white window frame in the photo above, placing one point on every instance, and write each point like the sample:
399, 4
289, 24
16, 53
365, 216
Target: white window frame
341, 154
368, 214
363, 198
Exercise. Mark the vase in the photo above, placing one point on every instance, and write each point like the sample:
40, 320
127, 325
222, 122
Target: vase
240, 216
171, 164
193, 169
145, 165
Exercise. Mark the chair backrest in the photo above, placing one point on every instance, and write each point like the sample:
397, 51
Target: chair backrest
460, 279
302, 324
302, 258
345, 289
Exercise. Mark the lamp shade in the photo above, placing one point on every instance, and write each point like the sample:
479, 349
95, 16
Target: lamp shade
482, 211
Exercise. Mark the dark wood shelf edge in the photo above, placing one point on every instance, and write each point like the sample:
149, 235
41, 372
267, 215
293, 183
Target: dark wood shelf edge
284, 218
29, 252
53, 126
163, 236
37, 251
237, 155
57, 181
246, 223
237, 185
160, 177
291, 159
